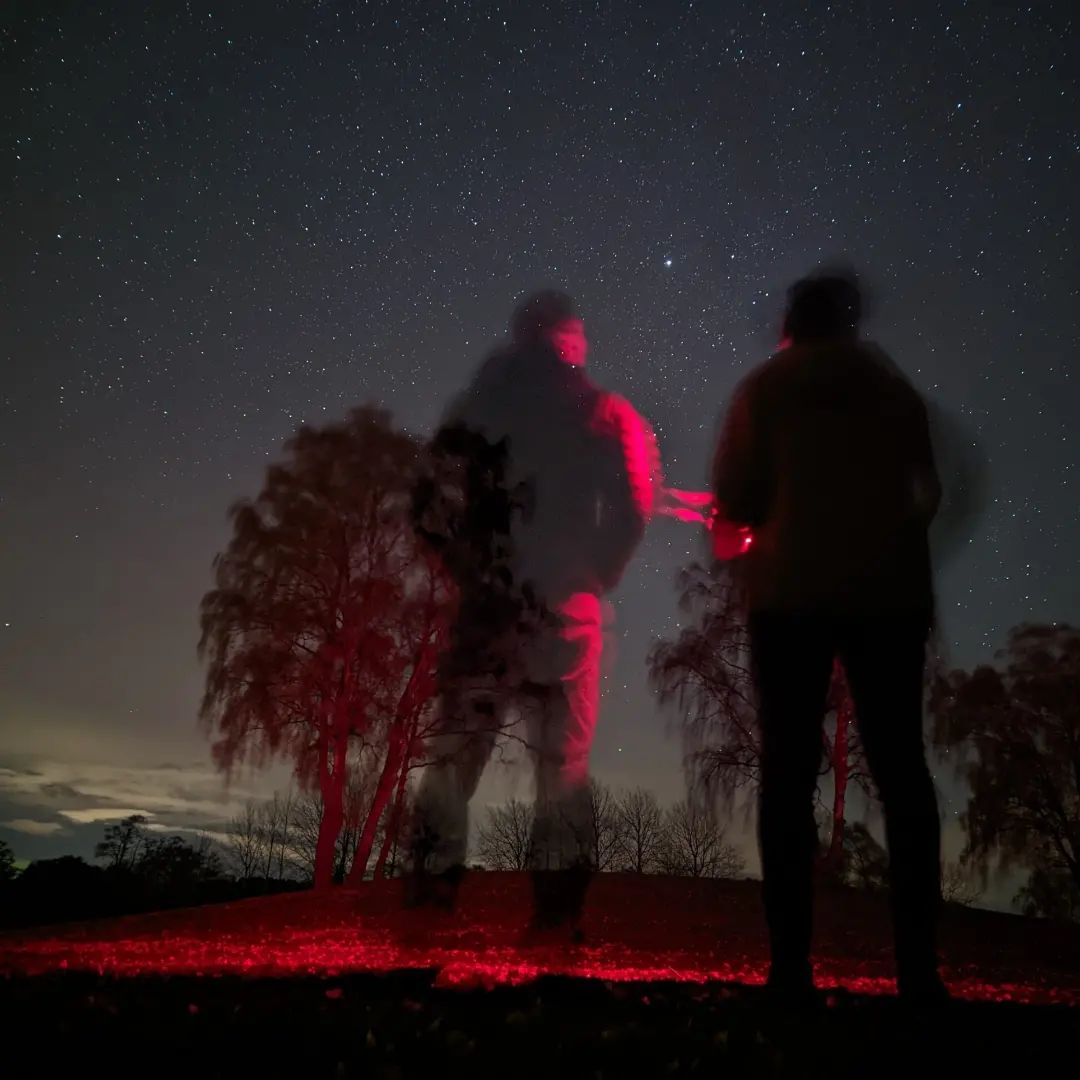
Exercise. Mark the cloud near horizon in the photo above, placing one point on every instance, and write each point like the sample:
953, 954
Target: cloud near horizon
103, 813
53, 807
31, 827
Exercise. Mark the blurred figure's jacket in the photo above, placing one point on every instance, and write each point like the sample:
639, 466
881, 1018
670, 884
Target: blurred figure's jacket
541, 481
826, 454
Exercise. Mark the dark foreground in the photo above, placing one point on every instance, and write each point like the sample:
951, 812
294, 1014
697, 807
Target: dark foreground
667, 983
401, 1025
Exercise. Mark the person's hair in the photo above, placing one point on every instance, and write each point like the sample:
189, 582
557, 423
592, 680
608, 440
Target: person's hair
539, 314
823, 306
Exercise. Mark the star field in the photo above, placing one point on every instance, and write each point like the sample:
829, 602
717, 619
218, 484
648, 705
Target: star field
221, 221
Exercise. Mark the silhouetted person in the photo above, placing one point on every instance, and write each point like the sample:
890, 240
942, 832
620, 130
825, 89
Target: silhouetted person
543, 487
826, 456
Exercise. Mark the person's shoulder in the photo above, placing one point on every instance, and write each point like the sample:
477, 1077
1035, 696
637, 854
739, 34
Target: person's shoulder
610, 403
873, 354
774, 370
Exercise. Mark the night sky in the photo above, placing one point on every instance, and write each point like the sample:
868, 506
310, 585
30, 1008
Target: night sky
222, 220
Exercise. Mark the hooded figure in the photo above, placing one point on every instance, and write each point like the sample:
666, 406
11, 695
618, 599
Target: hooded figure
826, 457
541, 487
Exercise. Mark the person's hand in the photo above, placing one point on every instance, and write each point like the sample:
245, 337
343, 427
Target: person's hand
686, 505
699, 499
729, 539
683, 513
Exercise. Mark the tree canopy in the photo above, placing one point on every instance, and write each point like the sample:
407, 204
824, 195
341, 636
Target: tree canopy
1013, 732
322, 634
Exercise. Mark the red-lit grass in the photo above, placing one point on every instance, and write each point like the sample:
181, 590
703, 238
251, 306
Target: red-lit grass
637, 929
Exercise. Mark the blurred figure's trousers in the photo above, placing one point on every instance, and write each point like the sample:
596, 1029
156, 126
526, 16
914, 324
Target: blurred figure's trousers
555, 682
884, 658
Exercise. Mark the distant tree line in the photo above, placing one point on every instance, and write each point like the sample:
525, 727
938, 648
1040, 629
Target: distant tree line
272, 845
278, 839
135, 869
628, 831
268, 846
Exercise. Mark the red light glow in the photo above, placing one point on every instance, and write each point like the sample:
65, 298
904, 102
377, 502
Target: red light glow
729, 541
631, 935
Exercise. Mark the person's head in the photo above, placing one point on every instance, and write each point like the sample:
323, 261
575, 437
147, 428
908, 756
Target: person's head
822, 307
551, 317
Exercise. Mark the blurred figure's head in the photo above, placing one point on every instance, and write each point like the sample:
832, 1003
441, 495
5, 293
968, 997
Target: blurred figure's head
551, 317
569, 341
822, 307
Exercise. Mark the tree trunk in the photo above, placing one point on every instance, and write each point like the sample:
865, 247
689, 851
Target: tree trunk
346, 839
284, 837
394, 823
398, 751
834, 860
333, 789
383, 791
270, 850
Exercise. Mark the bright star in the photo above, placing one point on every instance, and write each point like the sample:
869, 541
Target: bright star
667, 262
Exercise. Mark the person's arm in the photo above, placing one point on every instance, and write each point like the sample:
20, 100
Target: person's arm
644, 470
917, 444
633, 444
630, 481
739, 479
686, 505
740, 472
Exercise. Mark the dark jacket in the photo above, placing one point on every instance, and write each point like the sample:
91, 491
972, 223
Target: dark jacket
826, 455
533, 486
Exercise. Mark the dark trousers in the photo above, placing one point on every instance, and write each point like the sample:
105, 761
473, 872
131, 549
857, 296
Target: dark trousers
883, 657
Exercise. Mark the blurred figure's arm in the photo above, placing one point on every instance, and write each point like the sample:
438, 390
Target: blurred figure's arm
686, 505
644, 471
641, 463
631, 482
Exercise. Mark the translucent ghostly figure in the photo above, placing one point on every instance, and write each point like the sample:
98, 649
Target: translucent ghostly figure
541, 488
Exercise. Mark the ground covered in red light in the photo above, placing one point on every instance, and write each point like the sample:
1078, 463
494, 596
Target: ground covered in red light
636, 928
665, 983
